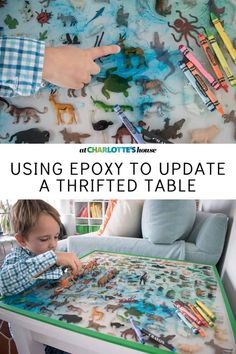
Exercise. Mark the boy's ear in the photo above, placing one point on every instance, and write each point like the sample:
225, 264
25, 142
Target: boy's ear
20, 239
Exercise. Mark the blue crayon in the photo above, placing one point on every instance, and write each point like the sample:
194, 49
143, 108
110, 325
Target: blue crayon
131, 128
200, 91
136, 330
185, 321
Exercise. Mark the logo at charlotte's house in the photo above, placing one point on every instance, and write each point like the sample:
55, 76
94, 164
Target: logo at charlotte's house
117, 149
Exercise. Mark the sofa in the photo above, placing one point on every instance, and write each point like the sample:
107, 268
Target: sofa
168, 229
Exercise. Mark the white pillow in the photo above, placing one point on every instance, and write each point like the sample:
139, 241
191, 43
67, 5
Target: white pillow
125, 219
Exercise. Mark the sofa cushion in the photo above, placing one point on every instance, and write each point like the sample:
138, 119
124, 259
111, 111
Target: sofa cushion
165, 221
125, 219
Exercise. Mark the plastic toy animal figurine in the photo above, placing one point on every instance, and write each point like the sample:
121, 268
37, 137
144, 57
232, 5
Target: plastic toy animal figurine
31, 136
131, 52
213, 8
185, 27
220, 334
114, 83
162, 8
67, 20
70, 318
153, 107
155, 85
101, 125
75, 137
69, 39
24, 113
169, 131
122, 131
122, 17
97, 315
109, 108
231, 117
204, 135
75, 309
62, 108
218, 349
143, 278
111, 307
95, 325
162, 54
129, 332
90, 266
116, 324
189, 348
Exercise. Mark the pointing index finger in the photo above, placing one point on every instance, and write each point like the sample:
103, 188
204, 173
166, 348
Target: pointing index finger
99, 52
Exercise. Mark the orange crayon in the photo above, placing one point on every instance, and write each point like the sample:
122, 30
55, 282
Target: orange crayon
197, 314
204, 86
211, 58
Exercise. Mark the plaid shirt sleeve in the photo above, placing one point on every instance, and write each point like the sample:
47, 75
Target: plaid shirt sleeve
20, 270
21, 66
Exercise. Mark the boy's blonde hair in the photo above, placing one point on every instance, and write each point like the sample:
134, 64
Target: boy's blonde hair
25, 214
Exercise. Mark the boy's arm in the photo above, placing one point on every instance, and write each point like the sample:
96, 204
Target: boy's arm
18, 275
21, 66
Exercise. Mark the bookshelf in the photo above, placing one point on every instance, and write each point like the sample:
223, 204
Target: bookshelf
89, 215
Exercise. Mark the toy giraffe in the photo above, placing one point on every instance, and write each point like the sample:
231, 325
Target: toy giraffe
62, 108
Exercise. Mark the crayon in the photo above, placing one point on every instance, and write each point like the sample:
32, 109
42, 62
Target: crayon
197, 314
221, 58
208, 92
185, 321
200, 331
131, 128
200, 91
225, 38
206, 310
184, 311
214, 83
204, 315
136, 330
211, 58
158, 340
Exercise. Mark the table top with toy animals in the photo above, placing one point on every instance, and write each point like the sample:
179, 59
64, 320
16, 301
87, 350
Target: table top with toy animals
117, 289
144, 78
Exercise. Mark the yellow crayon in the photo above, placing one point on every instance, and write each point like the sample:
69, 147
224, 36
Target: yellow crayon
227, 42
206, 310
221, 58
204, 315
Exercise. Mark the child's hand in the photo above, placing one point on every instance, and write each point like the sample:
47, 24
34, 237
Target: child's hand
72, 67
69, 259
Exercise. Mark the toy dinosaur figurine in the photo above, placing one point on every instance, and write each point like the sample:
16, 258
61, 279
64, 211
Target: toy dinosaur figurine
62, 108
131, 52
114, 83
162, 54
110, 108
169, 131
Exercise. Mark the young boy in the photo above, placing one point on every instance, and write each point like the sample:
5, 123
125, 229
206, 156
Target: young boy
37, 226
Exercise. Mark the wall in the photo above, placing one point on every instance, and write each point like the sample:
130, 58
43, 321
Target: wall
227, 264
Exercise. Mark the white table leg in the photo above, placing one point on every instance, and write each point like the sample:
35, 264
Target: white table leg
24, 341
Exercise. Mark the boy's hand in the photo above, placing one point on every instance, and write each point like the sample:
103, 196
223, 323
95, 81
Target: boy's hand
72, 67
69, 259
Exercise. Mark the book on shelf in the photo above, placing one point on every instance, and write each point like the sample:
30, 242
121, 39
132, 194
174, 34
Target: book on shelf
96, 210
